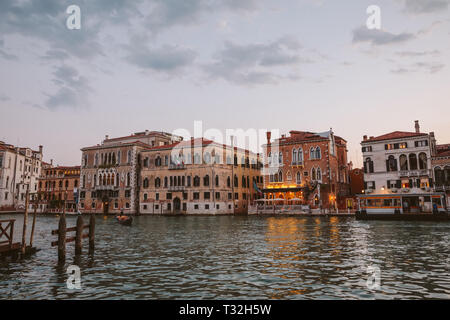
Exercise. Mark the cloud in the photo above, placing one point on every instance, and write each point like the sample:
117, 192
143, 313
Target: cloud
166, 59
72, 89
379, 37
418, 53
169, 13
4, 98
257, 63
424, 67
425, 6
5, 55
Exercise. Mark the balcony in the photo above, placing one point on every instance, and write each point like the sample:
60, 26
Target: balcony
414, 173
106, 188
174, 166
177, 188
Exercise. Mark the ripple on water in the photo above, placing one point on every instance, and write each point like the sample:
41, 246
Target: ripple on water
240, 258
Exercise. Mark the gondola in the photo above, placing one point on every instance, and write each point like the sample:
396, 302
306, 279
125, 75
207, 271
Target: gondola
124, 220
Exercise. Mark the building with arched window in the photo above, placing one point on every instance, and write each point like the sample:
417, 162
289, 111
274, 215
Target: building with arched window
208, 183
400, 171
112, 172
301, 162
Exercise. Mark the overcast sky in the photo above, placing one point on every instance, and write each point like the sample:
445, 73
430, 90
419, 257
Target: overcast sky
162, 64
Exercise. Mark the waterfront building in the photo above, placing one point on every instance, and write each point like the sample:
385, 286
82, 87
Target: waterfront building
58, 187
198, 176
441, 169
398, 176
307, 168
356, 181
20, 169
110, 171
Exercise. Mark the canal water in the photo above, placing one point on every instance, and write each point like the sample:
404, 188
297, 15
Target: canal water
240, 257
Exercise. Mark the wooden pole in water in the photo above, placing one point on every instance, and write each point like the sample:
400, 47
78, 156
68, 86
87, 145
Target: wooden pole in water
36, 203
25, 220
92, 233
62, 239
79, 236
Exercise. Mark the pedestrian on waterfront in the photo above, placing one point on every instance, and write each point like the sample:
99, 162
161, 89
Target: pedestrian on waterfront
121, 212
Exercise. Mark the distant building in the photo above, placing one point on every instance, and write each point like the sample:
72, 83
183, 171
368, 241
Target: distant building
198, 176
308, 167
58, 186
20, 169
110, 172
441, 169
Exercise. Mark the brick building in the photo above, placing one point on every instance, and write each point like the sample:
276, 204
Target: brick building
198, 177
308, 167
110, 172
441, 169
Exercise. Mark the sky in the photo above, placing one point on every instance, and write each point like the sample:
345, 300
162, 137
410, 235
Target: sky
307, 65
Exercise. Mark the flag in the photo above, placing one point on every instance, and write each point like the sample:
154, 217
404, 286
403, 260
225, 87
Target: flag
256, 188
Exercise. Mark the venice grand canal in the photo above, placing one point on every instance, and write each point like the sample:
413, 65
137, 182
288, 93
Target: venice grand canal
239, 257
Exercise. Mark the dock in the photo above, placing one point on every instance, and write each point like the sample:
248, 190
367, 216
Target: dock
442, 216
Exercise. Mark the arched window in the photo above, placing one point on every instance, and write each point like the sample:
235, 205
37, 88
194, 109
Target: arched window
368, 165
129, 157
166, 182
158, 161
313, 174
391, 163
299, 178
145, 183
300, 156
128, 179
275, 159
403, 162
319, 174
228, 182
118, 157
206, 180
280, 158
236, 181
318, 153
412, 161
104, 180
422, 161
294, 156
157, 182
269, 158
244, 184
207, 158
280, 176
217, 181
196, 181
312, 153
197, 159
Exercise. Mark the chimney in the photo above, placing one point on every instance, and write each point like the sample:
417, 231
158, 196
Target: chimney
40, 149
51, 162
417, 126
147, 132
106, 137
283, 136
365, 138
432, 135
269, 135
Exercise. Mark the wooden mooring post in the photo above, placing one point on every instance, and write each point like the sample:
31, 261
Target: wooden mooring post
78, 239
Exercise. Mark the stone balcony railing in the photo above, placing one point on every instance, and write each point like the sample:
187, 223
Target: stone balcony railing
110, 187
177, 188
174, 166
414, 173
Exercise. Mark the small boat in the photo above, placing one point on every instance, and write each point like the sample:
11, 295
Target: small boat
124, 220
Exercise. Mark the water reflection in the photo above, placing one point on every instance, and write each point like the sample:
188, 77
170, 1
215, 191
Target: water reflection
238, 257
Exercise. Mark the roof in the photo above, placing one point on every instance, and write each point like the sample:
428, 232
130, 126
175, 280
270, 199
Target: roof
116, 145
139, 135
305, 136
443, 150
395, 135
64, 168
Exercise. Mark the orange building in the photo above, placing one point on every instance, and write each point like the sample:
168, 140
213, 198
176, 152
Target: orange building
307, 168
58, 188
